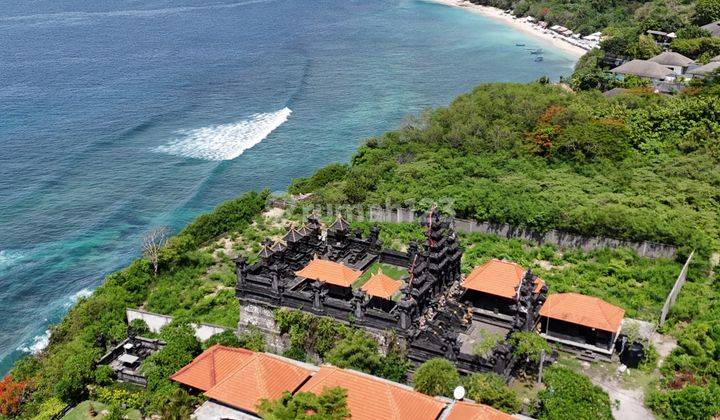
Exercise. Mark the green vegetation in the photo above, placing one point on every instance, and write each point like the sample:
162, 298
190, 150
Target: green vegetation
529, 345
436, 377
330, 404
638, 167
66, 369
85, 410
391, 271
571, 396
491, 389
325, 339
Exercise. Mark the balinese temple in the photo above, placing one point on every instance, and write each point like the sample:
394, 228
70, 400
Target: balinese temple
381, 289
336, 276
581, 321
492, 288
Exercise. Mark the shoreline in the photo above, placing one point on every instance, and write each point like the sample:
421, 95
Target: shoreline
520, 25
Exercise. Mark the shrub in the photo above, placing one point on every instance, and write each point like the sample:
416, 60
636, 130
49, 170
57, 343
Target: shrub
707, 11
252, 339
11, 394
436, 377
491, 389
49, 409
331, 404
357, 351
692, 402
571, 396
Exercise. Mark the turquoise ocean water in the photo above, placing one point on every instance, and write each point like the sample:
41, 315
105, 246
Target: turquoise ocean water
118, 116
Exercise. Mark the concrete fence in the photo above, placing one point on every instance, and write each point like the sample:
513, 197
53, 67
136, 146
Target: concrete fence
155, 322
555, 237
672, 296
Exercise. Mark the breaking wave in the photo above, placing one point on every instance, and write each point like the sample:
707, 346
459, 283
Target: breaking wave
9, 258
39, 343
226, 141
77, 296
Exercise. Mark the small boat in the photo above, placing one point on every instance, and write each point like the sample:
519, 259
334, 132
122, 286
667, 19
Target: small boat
539, 58
537, 51
519, 44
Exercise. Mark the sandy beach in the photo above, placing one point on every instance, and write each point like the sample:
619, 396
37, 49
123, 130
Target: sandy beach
519, 24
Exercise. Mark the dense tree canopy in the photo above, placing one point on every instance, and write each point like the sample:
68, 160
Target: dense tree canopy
639, 166
331, 404
436, 377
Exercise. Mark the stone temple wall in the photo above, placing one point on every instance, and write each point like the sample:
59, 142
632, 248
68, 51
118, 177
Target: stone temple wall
264, 319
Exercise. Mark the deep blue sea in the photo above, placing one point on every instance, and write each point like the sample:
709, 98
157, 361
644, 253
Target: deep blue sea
119, 116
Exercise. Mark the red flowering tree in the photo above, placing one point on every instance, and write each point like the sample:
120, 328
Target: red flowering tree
11, 394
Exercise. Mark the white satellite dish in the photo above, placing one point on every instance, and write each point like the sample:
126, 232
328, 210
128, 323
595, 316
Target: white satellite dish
459, 393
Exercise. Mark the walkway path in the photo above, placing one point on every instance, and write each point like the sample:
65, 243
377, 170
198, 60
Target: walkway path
630, 401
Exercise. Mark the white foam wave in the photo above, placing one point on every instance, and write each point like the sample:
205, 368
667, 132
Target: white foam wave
226, 141
9, 258
39, 343
77, 296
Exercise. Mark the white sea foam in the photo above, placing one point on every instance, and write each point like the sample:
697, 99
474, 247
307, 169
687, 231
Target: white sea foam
9, 258
226, 141
39, 343
77, 296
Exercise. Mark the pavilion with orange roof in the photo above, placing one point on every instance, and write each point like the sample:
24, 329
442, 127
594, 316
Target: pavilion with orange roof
338, 278
581, 321
381, 289
492, 287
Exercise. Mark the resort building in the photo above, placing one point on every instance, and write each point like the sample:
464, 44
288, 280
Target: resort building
706, 70
661, 37
644, 68
125, 358
713, 28
492, 289
676, 62
235, 380
581, 321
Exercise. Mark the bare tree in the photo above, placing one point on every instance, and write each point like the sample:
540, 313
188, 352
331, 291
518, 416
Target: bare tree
153, 242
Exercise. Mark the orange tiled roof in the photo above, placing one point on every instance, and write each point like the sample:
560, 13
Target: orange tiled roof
261, 376
463, 410
329, 272
211, 367
381, 285
371, 398
498, 278
583, 310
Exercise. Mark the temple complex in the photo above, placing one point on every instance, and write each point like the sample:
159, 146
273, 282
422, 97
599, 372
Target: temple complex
434, 312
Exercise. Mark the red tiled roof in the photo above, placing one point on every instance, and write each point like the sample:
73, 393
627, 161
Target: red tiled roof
583, 310
381, 285
329, 272
463, 410
261, 376
498, 278
371, 398
211, 367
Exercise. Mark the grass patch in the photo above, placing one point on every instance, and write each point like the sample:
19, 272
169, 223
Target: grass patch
391, 271
82, 412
